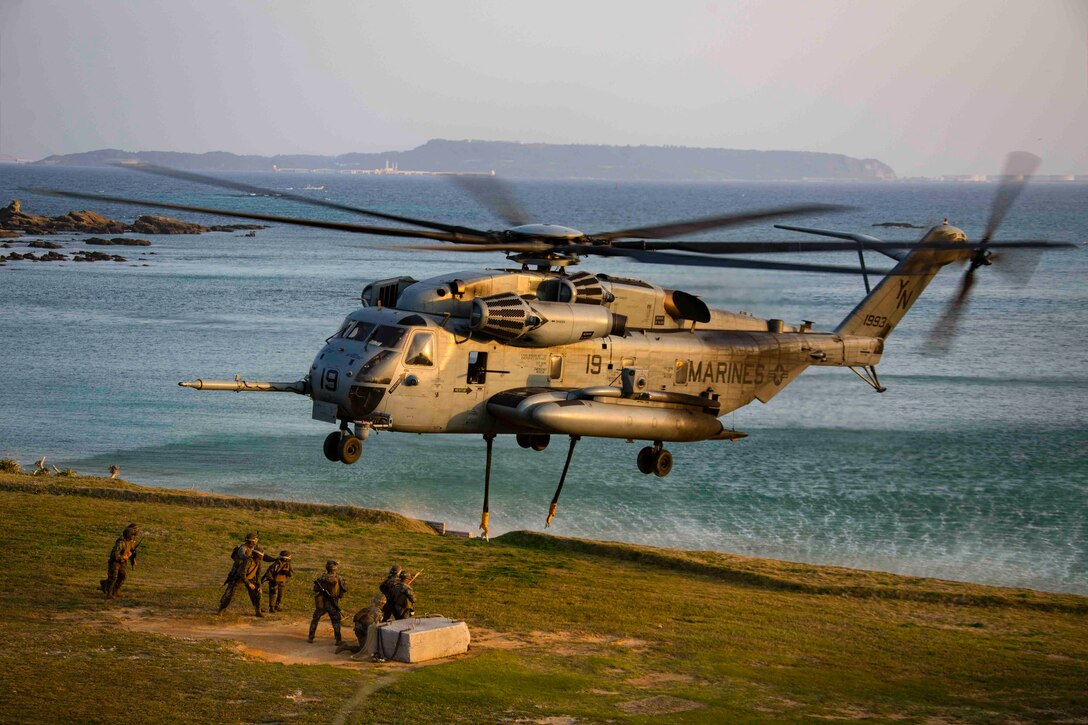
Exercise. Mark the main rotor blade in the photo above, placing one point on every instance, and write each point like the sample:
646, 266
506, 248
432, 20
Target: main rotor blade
312, 201
1019, 167
494, 195
685, 260
315, 223
807, 246
508, 247
693, 226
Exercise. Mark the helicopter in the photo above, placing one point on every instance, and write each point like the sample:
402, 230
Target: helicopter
535, 350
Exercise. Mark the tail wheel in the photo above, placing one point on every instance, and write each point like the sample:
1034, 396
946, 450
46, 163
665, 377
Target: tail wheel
662, 463
351, 448
331, 447
524, 440
646, 460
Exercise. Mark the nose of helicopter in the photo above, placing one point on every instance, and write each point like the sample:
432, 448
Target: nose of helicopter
335, 377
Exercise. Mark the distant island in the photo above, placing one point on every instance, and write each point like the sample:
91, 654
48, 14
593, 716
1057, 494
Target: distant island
527, 160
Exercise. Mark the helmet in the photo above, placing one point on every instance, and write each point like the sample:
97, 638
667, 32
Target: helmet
394, 570
285, 554
251, 537
331, 565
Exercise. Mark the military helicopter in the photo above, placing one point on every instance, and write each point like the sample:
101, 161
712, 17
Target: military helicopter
536, 351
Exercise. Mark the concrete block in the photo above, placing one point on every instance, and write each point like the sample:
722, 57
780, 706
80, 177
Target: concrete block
418, 639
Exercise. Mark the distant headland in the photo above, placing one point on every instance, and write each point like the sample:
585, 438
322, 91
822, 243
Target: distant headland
527, 160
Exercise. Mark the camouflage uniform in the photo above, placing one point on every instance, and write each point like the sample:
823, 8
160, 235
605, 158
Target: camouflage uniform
247, 572
367, 617
328, 588
277, 576
386, 588
121, 557
404, 599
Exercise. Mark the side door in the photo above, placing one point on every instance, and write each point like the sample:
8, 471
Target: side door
419, 391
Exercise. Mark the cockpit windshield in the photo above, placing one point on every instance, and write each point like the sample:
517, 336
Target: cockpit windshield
378, 335
388, 336
357, 331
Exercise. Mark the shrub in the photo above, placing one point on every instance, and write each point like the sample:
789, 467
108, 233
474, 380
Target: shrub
66, 472
10, 465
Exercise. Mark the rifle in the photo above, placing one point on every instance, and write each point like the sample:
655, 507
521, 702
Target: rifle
328, 597
412, 579
132, 556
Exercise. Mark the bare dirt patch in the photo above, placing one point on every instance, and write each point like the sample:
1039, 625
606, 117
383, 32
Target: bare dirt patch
272, 639
659, 705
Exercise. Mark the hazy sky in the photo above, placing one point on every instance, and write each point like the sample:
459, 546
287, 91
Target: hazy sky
929, 87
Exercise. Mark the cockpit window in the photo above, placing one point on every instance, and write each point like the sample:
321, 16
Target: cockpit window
344, 327
421, 350
359, 331
373, 370
387, 336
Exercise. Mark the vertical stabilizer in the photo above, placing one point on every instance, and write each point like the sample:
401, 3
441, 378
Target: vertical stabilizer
882, 309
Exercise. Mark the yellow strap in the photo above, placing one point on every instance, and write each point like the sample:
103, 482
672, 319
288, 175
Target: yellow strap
551, 514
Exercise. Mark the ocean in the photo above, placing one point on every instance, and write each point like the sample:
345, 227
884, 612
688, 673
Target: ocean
971, 466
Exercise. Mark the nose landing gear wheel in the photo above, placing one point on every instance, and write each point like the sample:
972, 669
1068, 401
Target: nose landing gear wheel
351, 448
331, 447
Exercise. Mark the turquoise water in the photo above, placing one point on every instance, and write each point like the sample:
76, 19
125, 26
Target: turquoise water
971, 466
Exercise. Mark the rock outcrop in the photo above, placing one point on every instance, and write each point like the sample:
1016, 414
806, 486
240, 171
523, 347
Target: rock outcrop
13, 221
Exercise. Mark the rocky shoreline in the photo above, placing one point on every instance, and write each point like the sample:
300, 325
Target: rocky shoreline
15, 224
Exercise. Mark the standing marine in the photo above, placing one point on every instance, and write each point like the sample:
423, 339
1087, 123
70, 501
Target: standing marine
277, 576
246, 572
122, 556
386, 588
404, 598
328, 588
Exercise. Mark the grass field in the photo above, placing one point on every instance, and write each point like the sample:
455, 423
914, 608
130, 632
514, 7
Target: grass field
564, 630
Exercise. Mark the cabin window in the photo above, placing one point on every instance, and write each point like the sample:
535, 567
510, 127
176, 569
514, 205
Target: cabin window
681, 372
477, 368
388, 336
421, 350
555, 367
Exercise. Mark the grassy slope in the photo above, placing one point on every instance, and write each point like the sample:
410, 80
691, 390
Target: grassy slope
601, 626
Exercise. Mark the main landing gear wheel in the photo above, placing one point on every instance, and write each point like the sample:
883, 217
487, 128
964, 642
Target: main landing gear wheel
331, 447
655, 460
351, 448
646, 460
537, 442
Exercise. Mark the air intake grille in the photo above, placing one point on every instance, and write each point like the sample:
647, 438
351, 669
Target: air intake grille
501, 316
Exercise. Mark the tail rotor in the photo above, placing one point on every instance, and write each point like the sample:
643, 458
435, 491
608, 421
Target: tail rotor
1020, 166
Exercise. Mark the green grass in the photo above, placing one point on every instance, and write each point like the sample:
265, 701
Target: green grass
595, 631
